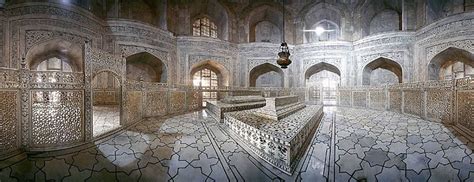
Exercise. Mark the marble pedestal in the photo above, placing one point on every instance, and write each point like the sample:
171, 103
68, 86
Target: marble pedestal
235, 103
281, 141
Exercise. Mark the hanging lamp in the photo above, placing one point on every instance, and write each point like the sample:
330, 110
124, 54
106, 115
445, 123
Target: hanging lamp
284, 56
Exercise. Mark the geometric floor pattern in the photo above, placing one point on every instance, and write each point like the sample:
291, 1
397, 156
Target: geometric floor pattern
367, 145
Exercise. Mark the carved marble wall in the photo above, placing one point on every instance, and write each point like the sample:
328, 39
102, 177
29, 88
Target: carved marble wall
395, 102
9, 129
449, 102
359, 99
133, 107
156, 103
413, 103
377, 99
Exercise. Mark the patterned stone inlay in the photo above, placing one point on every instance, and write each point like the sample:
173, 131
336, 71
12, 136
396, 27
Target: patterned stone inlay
194, 99
360, 99
466, 109
413, 102
177, 101
395, 101
345, 98
8, 118
155, 103
56, 117
377, 100
439, 103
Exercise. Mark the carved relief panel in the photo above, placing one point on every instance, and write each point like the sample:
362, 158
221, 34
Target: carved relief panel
413, 102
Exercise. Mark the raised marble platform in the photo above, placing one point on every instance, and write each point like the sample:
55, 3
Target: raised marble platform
281, 141
233, 103
279, 107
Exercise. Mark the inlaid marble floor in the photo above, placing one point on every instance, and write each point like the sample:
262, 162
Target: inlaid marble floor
368, 145
106, 118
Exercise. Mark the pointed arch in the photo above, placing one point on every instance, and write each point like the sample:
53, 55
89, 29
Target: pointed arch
448, 57
67, 52
320, 67
145, 66
262, 69
381, 63
222, 72
216, 12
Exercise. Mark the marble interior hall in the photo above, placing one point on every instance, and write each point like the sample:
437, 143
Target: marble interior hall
190, 90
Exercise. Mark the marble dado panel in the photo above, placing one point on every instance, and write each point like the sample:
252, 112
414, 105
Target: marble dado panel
9, 110
413, 102
345, 98
395, 103
465, 110
194, 99
156, 103
377, 100
360, 99
177, 102
133, 109
57, 118
439, 105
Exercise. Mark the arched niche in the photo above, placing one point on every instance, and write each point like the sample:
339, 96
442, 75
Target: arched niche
216, 12
147, 11
146, 67
55, 54
437, 9
259, 12
221, 71
462, 60
266, 31
325, 15
385, 64
332, 33
385, 21
266, 69
321, 68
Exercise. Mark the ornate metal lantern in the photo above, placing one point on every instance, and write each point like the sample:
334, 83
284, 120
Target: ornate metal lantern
284, 56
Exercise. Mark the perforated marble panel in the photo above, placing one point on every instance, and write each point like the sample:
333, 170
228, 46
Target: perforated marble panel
465, 115
377, 100
395, 102
413, 102
360, 99
156, 103
8, 119
345, 98
57, 117
177, 102
439, 104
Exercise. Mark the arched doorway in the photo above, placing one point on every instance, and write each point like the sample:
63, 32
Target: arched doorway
452, 63
146, 67
209, 76
106, 102
266, 75
322, 80
382, 71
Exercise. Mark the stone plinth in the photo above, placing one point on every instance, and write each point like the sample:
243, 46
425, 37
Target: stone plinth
237, 103
281, 142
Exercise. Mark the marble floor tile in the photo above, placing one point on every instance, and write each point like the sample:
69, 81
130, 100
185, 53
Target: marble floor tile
349, 145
